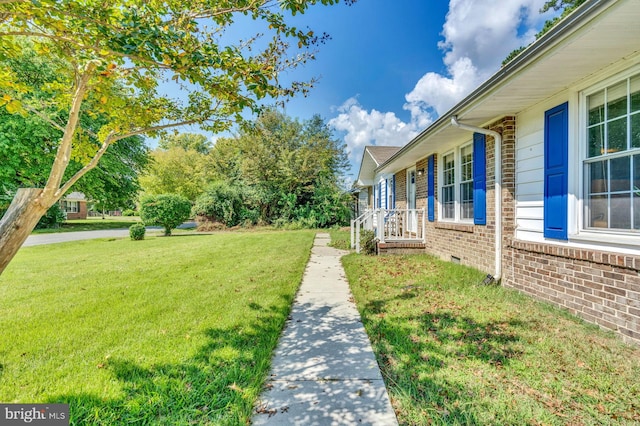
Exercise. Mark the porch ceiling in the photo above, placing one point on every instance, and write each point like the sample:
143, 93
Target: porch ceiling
608, 33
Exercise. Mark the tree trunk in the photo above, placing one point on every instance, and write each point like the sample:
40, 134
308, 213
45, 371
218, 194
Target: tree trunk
17, 223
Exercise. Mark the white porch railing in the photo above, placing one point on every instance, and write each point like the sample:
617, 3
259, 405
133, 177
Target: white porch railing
390, 225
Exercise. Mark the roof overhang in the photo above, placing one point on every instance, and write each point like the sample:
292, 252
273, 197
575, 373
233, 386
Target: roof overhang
598, 35
367, 170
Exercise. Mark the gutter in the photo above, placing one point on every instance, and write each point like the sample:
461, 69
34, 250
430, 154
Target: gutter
498, 188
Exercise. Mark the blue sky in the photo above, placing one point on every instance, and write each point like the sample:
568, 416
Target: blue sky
392, 66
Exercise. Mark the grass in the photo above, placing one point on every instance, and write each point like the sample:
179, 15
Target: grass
455, 352
92, 224
167, 331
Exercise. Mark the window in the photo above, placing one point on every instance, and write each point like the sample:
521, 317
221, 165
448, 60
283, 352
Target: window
612, 164
72, 206
466, 182
448, 186
457, 184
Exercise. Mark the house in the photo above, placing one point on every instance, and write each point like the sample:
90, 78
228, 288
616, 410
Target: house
74, 205
556, 133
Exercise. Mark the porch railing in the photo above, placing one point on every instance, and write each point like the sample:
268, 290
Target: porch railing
390, 225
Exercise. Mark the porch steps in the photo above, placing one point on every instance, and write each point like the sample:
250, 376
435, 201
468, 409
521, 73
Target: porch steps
401, 247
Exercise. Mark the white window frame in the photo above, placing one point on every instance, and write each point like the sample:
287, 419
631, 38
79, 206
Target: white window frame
71, 206
457, 168
582, 232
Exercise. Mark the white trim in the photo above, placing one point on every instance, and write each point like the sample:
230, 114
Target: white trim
457, 171
578, 149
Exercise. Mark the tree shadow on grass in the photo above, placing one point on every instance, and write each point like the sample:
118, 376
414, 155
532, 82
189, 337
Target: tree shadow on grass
217, 385
412, 349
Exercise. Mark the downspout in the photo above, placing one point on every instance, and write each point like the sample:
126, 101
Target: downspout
497, 137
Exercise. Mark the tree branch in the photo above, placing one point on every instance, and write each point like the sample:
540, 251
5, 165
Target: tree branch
91, 165
63, 155
44, 117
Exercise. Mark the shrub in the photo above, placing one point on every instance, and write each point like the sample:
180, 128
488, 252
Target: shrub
368, 242
137, 231
52, 218
166, 210
221, 203
128, 212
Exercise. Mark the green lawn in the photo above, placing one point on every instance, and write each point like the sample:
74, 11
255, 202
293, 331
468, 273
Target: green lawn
453, 351
92, 224
166, 331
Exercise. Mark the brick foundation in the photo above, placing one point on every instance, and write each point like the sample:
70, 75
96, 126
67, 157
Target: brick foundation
600, 287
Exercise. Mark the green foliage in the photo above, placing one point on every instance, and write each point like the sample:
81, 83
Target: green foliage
221, 203
29, 143
137, 231
288, 172
52, 218
186, 141
129, 212
368, 242
177, 171
166, 210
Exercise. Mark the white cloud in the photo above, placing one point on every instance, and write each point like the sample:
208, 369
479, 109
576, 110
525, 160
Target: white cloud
373, 127
478, 35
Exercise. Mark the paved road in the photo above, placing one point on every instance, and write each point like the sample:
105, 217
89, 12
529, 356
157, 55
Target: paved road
61, 237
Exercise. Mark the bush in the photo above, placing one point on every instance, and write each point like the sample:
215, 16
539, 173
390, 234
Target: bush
52, 218
221, 203
166, 210
137, 231
129, 212
368, 242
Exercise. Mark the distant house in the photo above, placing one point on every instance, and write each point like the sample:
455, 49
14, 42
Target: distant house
74, 205
556, 133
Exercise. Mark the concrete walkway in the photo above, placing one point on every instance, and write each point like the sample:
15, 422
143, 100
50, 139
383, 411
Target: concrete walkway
324, 371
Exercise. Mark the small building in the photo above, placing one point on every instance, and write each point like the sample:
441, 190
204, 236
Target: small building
74, 205
534, 177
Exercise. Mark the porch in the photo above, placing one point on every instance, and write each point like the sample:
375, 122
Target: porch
396, 230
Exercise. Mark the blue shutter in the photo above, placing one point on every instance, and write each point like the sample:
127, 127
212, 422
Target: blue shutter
556, 163
431, 190
393, 192
379, 195
479, 179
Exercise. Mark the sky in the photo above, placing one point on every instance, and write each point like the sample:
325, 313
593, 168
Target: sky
393, 66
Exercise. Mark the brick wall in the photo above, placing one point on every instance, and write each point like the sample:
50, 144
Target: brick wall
81, 214
474, 245
601, 287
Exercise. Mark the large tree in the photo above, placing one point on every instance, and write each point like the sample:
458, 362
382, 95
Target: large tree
292, 167
177, 170
28, 147
110, 59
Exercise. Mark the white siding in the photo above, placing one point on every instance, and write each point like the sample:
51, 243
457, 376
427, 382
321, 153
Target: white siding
530, 171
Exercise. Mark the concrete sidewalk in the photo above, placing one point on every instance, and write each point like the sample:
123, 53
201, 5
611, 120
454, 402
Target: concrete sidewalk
324, 371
